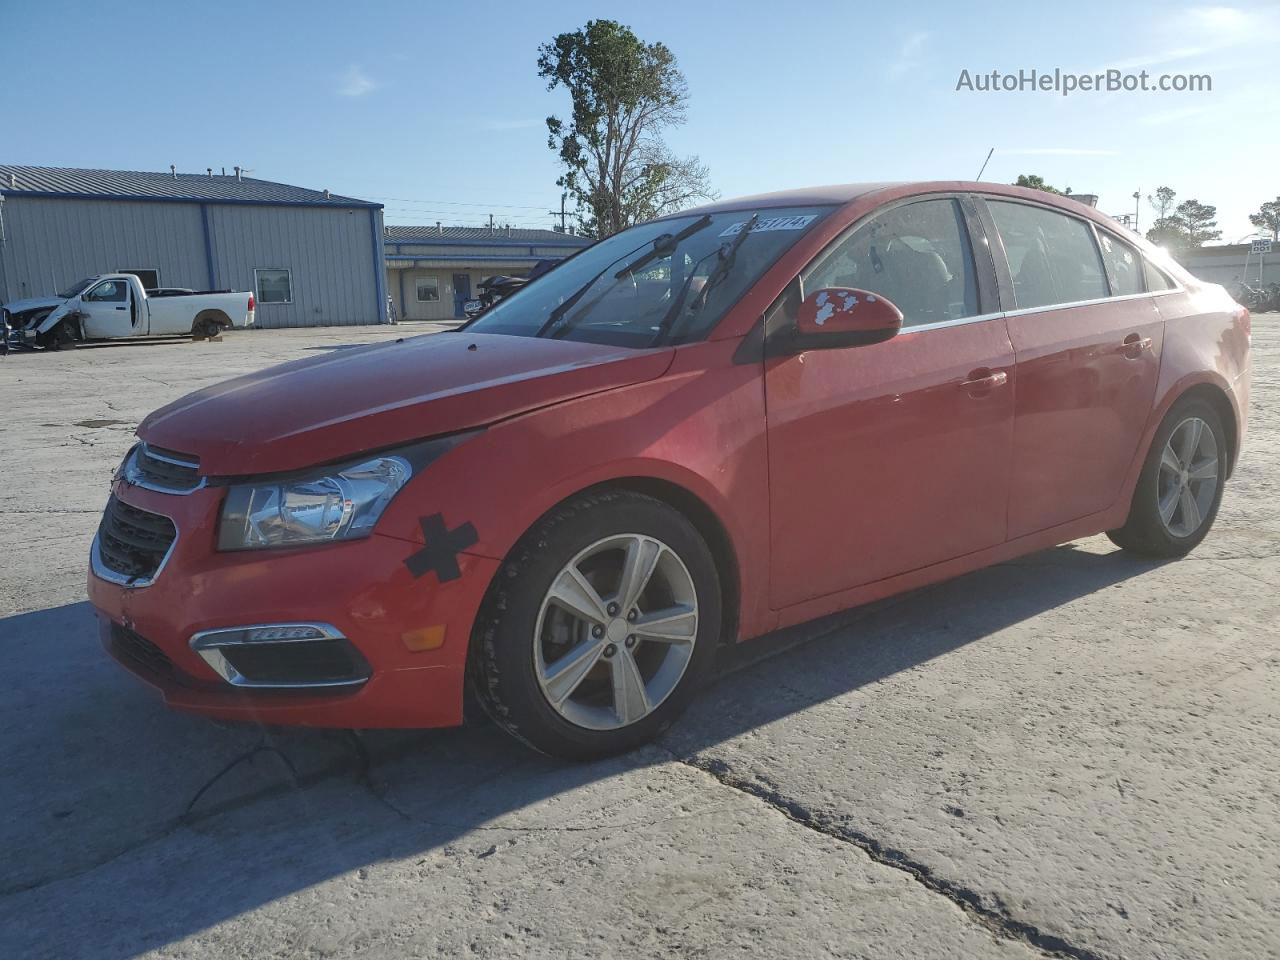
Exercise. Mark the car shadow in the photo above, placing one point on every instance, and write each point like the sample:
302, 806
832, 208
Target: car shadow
96, 768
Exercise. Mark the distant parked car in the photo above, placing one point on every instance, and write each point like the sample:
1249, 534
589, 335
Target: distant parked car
701, 429
114, 306
499, 287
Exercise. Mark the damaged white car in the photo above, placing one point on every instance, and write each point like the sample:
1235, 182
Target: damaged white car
114, 306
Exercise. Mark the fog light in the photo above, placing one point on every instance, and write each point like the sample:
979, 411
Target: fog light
282, 656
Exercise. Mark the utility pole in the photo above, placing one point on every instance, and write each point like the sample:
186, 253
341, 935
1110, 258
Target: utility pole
561, 214
491, 223
1137, 207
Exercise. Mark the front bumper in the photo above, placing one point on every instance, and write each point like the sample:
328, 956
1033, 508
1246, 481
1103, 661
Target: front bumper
362, 587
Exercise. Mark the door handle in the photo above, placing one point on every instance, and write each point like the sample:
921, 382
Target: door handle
1134, 344
981, 381
122, 308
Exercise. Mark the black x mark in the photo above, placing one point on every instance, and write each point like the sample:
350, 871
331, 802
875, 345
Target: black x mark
442, 548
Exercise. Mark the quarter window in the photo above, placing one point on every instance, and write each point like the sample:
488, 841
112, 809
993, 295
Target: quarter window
916, 255
1124, 266
1157, 279
109, 291
274, 286
1052, 257
429, 290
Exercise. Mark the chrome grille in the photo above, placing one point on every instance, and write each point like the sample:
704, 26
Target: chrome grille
161, 469
132, 544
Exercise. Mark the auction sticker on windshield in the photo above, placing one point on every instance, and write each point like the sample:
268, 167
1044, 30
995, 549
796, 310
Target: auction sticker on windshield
776, 223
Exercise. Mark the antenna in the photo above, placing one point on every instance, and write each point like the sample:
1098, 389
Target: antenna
984, 163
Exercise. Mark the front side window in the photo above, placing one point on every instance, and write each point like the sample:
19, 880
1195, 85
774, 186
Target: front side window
1124, 266
274, 286
916, 255
429, 290
666, 281
1052, 257
109, 291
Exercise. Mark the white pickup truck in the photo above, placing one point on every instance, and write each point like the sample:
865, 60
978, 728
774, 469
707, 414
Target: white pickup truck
115, 305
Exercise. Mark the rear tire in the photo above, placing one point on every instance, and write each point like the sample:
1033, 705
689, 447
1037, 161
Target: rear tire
1178, 493
582, 673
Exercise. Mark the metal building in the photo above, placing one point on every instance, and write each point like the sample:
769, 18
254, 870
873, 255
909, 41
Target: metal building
432, 271
310, 257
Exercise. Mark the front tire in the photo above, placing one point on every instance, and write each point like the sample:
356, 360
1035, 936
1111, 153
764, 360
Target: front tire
598, 627
1178, 493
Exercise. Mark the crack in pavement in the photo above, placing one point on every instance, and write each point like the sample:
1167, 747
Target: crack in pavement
996, 919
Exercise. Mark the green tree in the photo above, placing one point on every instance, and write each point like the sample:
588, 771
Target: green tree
1168, 232
624, 94
1198, 222
1268, 218
1036, 182
1162, 202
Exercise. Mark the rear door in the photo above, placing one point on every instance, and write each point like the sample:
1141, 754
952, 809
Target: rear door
1087, 337
891, 457
108, 310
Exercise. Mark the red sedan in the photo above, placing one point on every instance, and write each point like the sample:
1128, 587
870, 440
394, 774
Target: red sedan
699, 430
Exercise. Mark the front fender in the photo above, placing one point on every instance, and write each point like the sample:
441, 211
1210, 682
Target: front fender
700, 428
52, 318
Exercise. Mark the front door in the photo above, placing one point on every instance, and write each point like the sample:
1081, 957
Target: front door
1087, 338
888, 458
108, 311
461, 293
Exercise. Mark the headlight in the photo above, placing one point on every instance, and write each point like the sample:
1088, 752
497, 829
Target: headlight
341, 502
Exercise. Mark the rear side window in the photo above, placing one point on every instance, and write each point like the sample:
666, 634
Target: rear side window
916, 255
1124, 266
1052, 257
1157, 279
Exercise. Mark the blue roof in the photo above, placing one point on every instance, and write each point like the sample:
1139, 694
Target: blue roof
484, 237
139, 185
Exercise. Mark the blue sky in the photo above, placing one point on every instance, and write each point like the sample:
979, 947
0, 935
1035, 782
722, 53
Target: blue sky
439, 106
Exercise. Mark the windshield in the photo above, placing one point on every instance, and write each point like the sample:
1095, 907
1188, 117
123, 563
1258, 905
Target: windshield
665, 281
75, 288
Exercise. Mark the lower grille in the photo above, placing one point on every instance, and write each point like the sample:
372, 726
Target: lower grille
140, 653
133, 543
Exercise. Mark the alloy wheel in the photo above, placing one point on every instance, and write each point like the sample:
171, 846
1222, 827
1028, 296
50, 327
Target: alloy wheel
1187, 480
615, 632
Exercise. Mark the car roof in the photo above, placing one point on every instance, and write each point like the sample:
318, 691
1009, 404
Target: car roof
844, 193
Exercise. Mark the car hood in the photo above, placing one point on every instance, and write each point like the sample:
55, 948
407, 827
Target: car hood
368, 398
34, 303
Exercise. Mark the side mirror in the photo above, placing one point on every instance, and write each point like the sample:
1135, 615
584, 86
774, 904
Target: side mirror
842, 317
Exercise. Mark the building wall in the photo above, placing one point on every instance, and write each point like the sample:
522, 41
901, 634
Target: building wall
1230, 269
334, 255
443, 309
50, 243
328, 252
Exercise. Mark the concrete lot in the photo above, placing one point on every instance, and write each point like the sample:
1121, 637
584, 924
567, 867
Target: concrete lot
1076, 754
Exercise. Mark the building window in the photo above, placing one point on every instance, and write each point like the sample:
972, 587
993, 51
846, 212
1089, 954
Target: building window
274, 286
150, 279
429, 290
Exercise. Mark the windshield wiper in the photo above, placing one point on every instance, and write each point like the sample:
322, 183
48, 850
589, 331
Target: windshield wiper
728, 255
663, 246
554, 316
